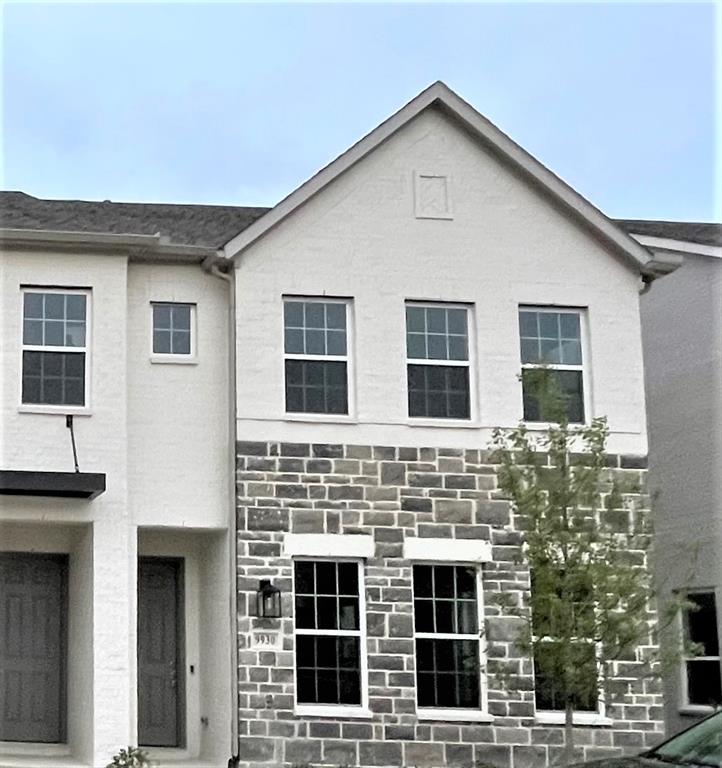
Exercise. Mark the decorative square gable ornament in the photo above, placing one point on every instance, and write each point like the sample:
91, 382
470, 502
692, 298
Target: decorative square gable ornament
432, 196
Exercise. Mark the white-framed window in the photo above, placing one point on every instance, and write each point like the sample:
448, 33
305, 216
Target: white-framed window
448, 615
173, 330
55, 348
316, 355
438, 365
701, 680
553, 338
547, 616
329, 635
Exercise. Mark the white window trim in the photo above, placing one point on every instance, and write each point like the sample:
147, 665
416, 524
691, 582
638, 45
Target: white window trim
585, 367
328, 545
174, 359
348, 358
451, 551
470, 364
454, 714
72, 410
361, 710
685, 706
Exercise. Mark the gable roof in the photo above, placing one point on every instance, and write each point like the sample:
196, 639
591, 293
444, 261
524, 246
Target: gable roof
703, 233
190, 225
441, 96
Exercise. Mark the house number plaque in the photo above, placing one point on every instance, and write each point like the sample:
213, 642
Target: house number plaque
263, 640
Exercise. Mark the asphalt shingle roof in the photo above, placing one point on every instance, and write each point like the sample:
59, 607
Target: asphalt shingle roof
703, 233
206, 225
215, 225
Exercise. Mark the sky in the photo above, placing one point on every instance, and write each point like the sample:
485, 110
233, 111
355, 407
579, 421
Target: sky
238, 104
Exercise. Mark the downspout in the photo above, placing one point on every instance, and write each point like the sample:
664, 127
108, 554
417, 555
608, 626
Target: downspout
211, 265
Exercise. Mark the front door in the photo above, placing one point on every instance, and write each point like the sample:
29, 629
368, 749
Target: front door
160, 652
33, 606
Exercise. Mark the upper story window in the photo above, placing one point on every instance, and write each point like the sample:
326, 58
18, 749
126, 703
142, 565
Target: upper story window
173, 329
328, 632
437, 351
316, 356
551, 339
447, 629
702, 670
55, 347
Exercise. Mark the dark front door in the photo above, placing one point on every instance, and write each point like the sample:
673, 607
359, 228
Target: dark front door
33, 607
160, 652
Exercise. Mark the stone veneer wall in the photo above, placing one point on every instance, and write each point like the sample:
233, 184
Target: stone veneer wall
391, 493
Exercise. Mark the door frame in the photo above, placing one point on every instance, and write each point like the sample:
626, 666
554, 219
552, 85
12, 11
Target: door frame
181, 693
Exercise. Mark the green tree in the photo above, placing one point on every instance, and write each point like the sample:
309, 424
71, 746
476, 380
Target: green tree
587, 546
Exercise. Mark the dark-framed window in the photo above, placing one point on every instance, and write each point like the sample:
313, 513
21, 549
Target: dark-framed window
702, 669
173, 332
55, 347
437, 352
552, 362
329, 632
316, 355
447, 636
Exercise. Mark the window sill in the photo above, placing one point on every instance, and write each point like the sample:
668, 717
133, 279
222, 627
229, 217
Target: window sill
695, 710
330, 710
543, 426
56, 410
455, 715
321, 418
174, 359
444, 423
580, 718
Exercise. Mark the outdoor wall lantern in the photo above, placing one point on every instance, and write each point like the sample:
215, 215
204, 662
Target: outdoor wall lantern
268, 600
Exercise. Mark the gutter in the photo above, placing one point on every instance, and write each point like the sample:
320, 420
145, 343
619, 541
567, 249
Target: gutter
214, 265
139, 247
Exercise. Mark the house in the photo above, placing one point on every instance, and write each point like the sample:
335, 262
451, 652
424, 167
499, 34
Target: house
321, 379
682, 334
115, 349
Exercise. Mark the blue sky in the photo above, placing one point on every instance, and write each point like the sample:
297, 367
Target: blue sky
240, 103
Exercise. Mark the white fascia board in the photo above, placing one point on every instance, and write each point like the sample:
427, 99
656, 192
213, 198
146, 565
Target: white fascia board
137, 247
678, 246
447, 550
483, 129
328, 545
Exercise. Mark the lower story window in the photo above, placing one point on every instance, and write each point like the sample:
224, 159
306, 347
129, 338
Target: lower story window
328, 632
702, 670
446, 622
548, 672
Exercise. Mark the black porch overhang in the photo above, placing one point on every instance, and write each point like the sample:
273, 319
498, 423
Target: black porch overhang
74, 485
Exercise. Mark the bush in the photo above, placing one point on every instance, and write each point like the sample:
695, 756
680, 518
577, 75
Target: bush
132, 757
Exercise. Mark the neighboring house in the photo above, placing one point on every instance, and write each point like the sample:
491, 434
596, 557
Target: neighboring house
682, 333
367, 343
128, 334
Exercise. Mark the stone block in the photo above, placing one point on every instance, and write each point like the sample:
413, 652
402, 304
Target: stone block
386, 753
327, 451
340, 753
267, 519
529, 757
247, 448
324, 730
393, 473
422, 754
257, 749
302, 751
